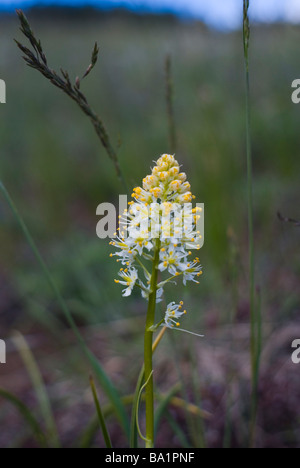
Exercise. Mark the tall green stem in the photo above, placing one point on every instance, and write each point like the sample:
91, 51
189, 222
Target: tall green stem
250, 225
255, 313
148, 351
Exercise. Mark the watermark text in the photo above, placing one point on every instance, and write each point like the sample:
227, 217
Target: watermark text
296, 353
2, 92
2, 352
154, 220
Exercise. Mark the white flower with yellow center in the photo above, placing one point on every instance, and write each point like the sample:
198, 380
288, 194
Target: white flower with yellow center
173, 313
171, 260
129, 278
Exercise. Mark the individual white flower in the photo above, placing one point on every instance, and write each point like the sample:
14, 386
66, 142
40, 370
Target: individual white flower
191, 271
129, 277
173, 313
170, 259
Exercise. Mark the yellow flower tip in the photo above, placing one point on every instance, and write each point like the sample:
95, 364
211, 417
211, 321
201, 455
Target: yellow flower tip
189, 253
177, 274
117, 281
163, 249
126, 270
165, 264
184, 311
164, 175
130, 251
111, 255
181, 302
177, 324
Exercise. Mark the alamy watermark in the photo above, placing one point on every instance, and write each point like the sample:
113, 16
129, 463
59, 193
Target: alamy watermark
2, 352
2, 92
296, 353
155, 220
296, 93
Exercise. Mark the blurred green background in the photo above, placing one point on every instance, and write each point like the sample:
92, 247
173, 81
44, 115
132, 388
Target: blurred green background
57, 172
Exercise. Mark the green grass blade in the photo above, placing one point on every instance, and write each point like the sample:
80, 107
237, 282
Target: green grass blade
27, 415
87, 437
100, 415
104, 380
163, 406
177, 430
110, 391
188, 416
196, 387
255, 320
39, 387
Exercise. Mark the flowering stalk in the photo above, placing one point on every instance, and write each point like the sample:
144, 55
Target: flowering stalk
160, 227
148, 351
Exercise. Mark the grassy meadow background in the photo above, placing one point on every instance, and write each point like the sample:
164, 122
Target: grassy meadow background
57, 172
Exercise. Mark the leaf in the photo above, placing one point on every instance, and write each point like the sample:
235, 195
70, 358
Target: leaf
104, 380
27, 415
39, 387
163, 406
100, 415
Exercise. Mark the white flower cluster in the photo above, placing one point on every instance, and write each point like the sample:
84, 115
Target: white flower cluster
161, 218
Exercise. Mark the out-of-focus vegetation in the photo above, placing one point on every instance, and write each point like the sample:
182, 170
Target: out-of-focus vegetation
56, 170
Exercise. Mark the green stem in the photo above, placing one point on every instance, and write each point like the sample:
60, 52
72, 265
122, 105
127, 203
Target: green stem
255, 315
250, 230
133, 431
148, 351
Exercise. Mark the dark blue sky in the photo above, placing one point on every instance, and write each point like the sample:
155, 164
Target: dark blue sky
224, 14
